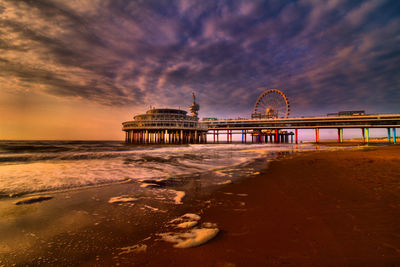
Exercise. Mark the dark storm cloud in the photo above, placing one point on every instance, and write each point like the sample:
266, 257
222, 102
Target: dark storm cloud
326, 55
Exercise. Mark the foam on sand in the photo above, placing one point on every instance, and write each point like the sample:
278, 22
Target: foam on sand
192, 238
121, 199
187, 236
188, 224
179, 196
33, 199
225, 182
135, 248
186, 217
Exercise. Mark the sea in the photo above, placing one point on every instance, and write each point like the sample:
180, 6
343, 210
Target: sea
38, 166
68, 203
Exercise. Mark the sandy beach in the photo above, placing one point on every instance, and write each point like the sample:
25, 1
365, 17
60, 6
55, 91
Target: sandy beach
322, 208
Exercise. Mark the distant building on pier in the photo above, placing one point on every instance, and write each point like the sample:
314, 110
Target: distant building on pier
166, 126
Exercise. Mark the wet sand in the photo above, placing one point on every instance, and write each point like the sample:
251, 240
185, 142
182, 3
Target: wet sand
325, 208
338, 208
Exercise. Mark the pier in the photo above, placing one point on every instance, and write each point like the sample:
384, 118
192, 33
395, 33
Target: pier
269, 123
279, 130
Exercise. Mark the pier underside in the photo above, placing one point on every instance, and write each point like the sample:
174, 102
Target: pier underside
150, 136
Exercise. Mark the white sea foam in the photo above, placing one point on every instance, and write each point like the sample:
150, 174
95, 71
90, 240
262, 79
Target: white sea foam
188, 236
188, 224
225, 182
135, 248
192, 238
179, 196
191, 216
186, 217
122, 199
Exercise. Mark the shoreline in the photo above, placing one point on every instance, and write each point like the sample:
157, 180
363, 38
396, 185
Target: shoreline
299, 210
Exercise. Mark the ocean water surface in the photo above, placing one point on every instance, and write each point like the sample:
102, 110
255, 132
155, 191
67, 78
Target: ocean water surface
35, 166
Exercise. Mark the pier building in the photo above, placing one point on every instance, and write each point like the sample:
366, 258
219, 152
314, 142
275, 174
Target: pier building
166, 126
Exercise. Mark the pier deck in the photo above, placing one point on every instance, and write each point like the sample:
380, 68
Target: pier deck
363, 122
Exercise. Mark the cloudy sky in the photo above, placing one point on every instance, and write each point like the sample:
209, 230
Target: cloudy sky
76, 69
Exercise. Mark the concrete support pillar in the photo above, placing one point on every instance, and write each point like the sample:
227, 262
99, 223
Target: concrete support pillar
276, 136
317, 135
196, 137
296, 136
394, 136
217, 137
245, 136
367, 135
181, 141
389, 137
340, 135
363, 135
214, 136
147, 137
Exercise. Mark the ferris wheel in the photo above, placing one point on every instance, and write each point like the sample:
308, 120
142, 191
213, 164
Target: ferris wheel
271, 104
